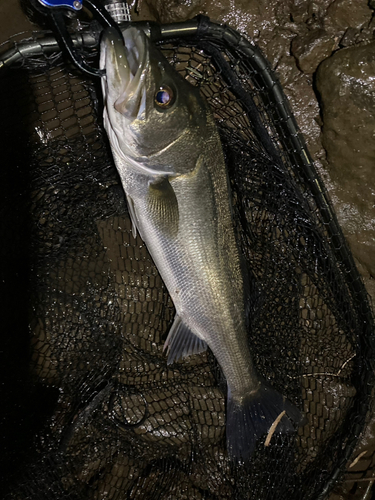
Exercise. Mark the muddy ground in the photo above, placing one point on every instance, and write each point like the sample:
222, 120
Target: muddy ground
323, 52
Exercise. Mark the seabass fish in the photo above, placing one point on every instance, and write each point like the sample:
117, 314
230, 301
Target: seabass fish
168, 153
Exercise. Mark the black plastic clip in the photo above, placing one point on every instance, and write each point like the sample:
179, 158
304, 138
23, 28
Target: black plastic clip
57, 10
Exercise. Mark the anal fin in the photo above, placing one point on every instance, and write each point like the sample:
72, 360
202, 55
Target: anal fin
181, 341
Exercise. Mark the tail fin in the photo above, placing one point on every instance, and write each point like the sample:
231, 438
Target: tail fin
249, 421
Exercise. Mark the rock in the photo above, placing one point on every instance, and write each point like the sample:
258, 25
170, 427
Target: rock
277, 47
312, 48
310, 11
346, 82
348, 13
174, 10
252, 17
350, 37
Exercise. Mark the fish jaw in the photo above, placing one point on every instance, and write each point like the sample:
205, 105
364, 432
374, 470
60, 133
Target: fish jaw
126, 62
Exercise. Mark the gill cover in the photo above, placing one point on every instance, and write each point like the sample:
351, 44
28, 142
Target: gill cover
155, 119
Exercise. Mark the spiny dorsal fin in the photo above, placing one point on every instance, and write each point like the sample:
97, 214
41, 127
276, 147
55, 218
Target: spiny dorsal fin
181, 341
163, 206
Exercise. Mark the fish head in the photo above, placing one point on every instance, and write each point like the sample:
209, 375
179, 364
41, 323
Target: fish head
155, 120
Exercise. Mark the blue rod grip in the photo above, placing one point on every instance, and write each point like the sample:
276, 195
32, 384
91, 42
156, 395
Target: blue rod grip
68, 4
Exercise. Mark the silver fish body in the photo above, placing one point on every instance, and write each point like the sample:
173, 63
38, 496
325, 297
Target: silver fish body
168, 153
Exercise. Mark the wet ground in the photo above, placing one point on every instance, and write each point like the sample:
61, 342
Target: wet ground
322, 51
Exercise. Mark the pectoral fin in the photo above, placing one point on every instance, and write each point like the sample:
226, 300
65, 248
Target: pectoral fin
133, 217
181, 341
163, 206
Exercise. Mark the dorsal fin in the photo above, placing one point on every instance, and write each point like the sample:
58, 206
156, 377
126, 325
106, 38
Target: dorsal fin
181, 341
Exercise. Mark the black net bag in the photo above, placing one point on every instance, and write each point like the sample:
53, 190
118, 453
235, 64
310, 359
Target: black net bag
90, 409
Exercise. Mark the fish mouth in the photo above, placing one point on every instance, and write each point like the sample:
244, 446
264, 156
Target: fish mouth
125, 63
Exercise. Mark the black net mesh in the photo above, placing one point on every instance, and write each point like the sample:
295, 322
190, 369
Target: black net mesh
90, 408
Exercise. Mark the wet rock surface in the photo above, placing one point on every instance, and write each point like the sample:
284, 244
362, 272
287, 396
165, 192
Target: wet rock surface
346, 83
311, 48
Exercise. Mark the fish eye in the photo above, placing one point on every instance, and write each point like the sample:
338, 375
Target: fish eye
164, 97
